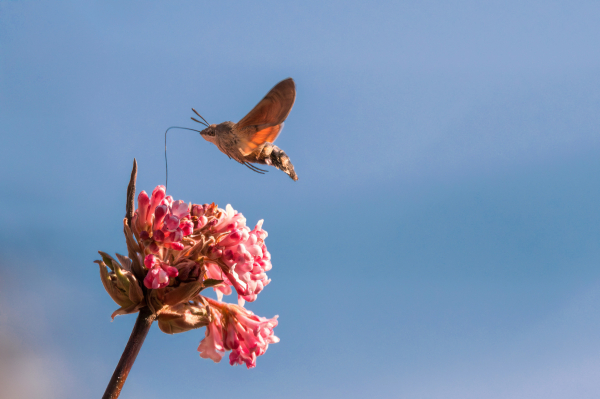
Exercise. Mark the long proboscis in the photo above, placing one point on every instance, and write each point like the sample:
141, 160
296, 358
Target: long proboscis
166, 162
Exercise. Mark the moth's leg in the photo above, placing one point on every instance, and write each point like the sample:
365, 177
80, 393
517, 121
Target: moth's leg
254, 169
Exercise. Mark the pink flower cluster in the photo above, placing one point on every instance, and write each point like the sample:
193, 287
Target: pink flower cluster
182, 244
234, 328
244, 259
163, 220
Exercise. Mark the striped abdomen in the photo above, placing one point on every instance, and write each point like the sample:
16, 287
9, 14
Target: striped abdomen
272, 155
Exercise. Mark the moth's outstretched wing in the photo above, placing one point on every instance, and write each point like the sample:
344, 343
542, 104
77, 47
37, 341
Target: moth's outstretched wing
265, 121
273, 109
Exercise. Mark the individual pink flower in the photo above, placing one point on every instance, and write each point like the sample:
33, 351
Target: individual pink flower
229, 220
211, 347
237, 329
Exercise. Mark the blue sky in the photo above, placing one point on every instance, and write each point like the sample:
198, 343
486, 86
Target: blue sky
443, 240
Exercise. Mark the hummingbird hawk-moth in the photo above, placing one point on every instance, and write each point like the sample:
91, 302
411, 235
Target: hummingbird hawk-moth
250, 141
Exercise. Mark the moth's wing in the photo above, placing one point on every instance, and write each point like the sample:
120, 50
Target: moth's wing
265, 121
273, 109
253, 139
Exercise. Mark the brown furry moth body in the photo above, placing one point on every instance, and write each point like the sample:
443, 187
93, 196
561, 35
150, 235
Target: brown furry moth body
251, 139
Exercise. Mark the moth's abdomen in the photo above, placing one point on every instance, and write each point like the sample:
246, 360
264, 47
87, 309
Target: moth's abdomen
272, 155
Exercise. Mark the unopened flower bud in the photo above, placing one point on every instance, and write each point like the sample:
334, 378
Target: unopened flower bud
197, 210
171, 222
150, 261
214, 252
154, 248
177, 246
234, 238
182, 317
158, 235
188, 271
157, 197
142, 211
159, 214
201, 222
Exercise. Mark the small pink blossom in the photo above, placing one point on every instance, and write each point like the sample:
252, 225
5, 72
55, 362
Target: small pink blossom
180, 209
211, 347
230, 220
157, 197
171, 222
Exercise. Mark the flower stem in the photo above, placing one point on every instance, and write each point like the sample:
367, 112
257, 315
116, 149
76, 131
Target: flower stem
138, 335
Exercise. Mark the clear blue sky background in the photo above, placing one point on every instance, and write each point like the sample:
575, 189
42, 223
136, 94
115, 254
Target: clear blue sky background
443, 240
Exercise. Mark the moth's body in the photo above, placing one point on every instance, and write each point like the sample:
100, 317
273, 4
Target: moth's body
251, 139
225, 138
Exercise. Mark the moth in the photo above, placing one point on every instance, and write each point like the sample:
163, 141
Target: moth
250, 141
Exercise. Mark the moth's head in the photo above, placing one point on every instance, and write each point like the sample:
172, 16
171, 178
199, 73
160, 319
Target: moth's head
209, 133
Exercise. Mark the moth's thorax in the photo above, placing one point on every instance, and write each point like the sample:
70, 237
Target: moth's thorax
224, 128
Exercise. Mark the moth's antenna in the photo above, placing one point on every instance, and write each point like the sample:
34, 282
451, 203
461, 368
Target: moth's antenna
166, 163
196, 112
196, 120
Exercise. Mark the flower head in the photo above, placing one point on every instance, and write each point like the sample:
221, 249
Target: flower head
177, 250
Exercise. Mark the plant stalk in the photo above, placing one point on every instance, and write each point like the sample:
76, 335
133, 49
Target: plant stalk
138, 335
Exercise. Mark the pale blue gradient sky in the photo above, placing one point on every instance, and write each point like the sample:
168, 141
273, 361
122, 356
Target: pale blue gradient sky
443, 240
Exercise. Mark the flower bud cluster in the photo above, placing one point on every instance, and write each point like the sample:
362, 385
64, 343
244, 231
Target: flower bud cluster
176, 250
161, 222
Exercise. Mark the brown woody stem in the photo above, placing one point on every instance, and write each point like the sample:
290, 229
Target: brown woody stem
130, 205
138, 335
